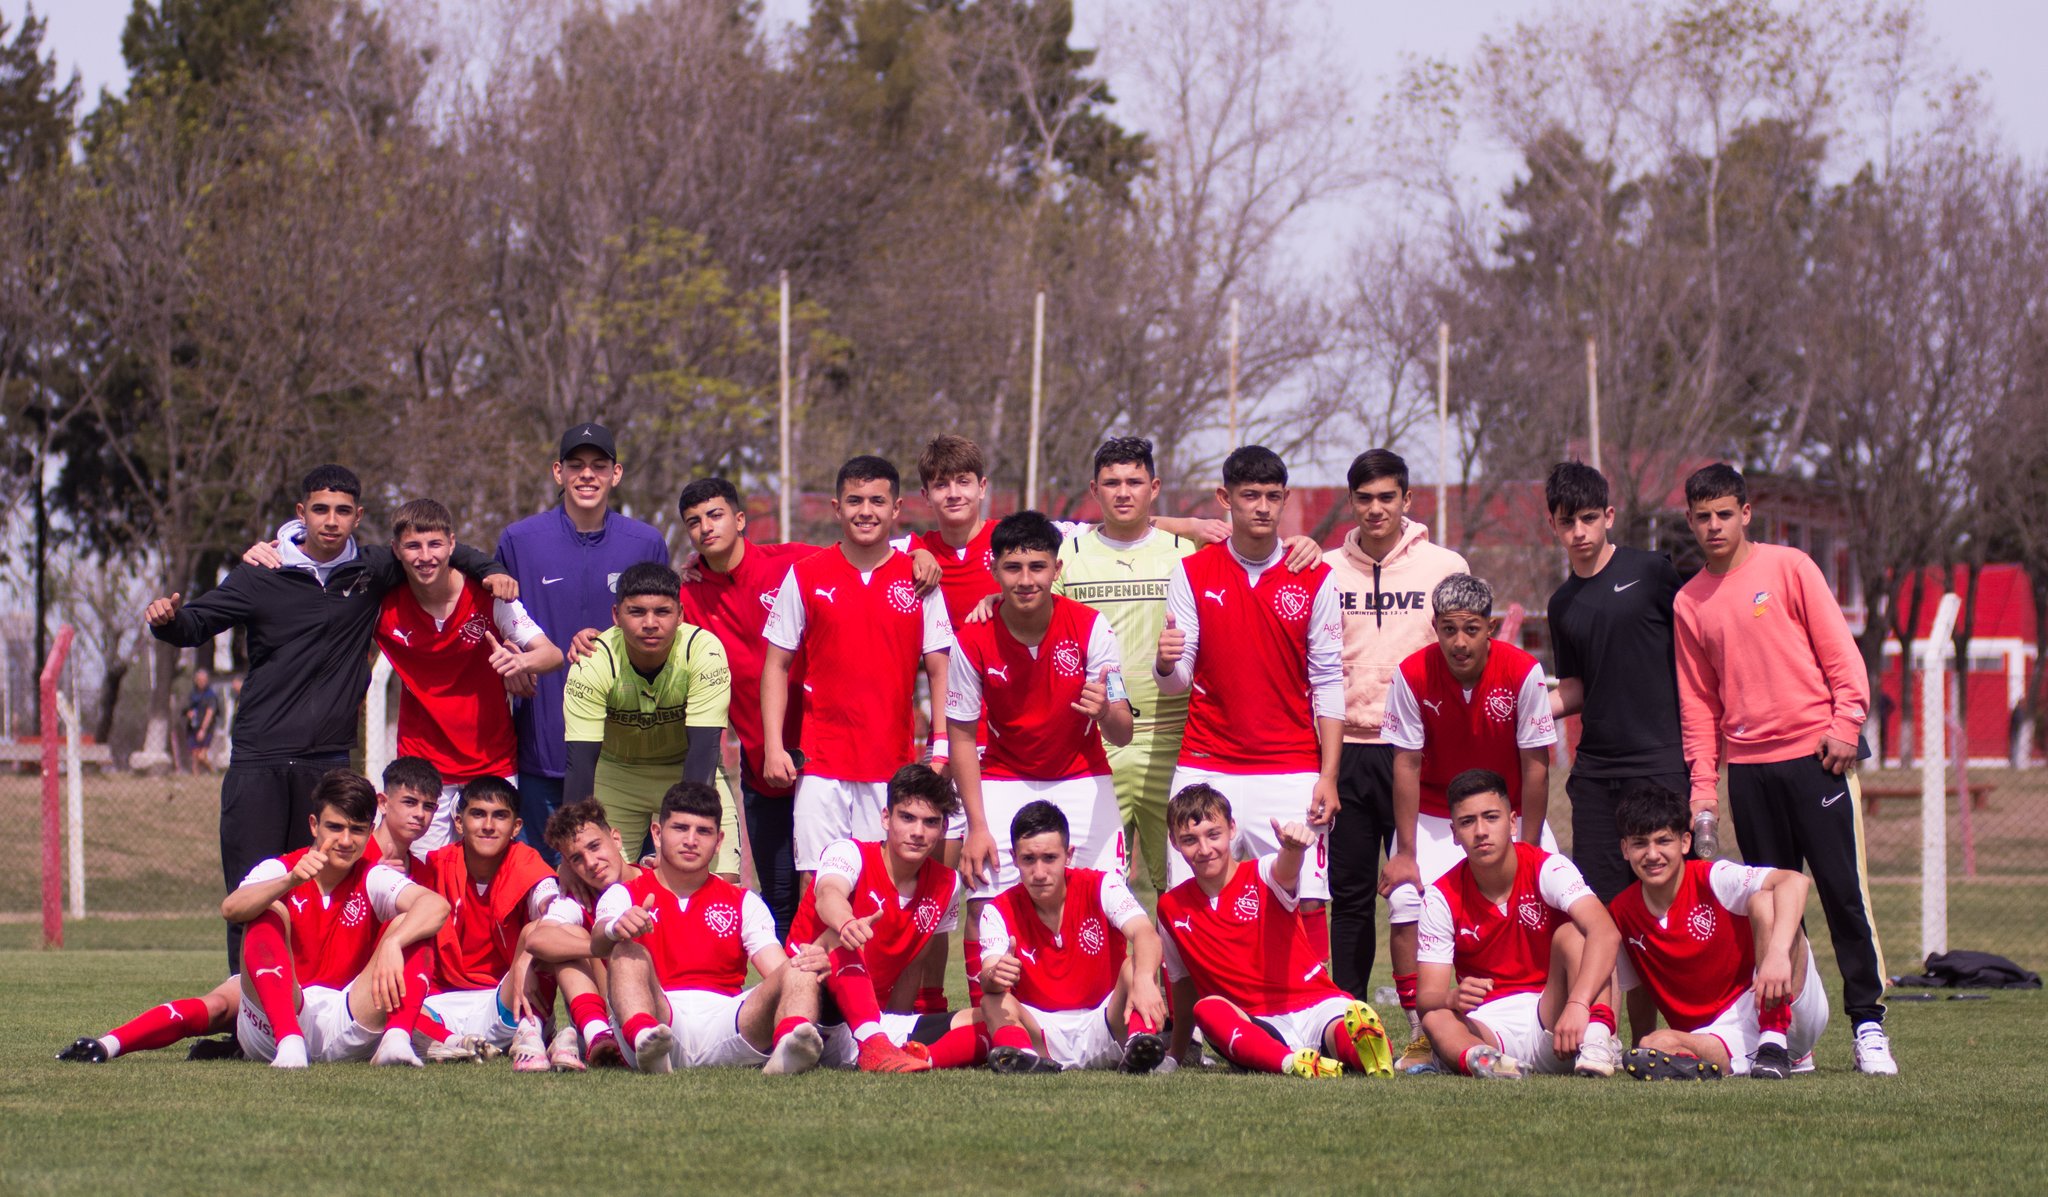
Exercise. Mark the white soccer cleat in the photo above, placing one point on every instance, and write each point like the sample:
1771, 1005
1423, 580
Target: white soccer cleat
565, 1053
529, 1053
1803, 1064
798, 1052
651, 1050
458, 1049
291, 1052
1599, 1054
395, 1050
1874, 1051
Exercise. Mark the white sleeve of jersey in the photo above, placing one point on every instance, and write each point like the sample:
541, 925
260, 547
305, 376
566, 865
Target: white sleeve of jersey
383, 884
904, 544
543, 895
1287, 901
515, 626
1170, 956
1071, 529
269, 869
1180, 607
841, 859
1104, 651
1534, 728
564, 910
995, 934
785, 626
963, 687
1401, 717
1436, 937
938, 626
1625, 971
757, 924
612, 903
1122, 906
1561, 883
951, 922
1734, 884
1326, 650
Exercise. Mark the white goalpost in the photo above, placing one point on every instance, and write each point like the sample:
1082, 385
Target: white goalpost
1933, 779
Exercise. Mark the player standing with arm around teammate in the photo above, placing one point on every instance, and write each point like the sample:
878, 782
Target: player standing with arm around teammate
1384, 574
1770, 677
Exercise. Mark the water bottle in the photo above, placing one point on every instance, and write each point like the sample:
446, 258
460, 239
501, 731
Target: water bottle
1706, 838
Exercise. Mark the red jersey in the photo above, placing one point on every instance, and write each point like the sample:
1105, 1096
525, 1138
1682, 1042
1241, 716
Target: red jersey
703, 941
735, 607
1033, 731
861, 642
1248, 946
332, 934
1507, 944
474, 948
1699, 959
905, 926
1073, 967
966, 576
1476, 733
455, 714
1251, 711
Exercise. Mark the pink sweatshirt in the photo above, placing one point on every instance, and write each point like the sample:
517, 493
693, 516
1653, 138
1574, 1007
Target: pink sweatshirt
1386, 616
1766, 665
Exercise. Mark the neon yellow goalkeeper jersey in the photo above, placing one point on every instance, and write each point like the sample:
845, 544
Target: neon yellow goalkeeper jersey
1128, 586
643, 722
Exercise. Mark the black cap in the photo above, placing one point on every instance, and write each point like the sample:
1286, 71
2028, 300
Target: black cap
595, 436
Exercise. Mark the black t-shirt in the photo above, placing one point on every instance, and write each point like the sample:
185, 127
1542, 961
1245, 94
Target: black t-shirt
1612, 631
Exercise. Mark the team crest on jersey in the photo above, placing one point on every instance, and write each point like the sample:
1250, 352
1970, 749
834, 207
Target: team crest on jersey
768, 601
1700, 924
1500, 705
1247, 905
1093, 937
472, 633
903, 597
722, 920
1066, 659
927, 916
355, 912
1292, 602
1530, 912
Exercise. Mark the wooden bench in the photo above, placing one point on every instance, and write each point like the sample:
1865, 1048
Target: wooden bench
1873, 795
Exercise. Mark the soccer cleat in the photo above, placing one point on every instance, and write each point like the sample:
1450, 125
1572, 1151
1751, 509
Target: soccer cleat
565, 1053
1418, 1058
459, 1049
529, 1052
1649, 1064
1874, 1051
214, 1049
395, 1050
605, 1052
1599, 1053
1309, 1065
797, 1052
1369, 1035
1009, 1060
1772, 1063
916, 1050
85, 1051
291, 1052
1142, 1053
1803, 1064
651, 1051
1492, 1064
877, 1054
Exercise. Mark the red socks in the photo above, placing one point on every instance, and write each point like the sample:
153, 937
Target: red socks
1013, 1036
961, 1047
1775, 1018
419, 976
970, 955
1404, 984
1601, 1013
588, 1012
853, 990
1240, 1040
634, 1025
1137, 1024
931, 999
432, 1028
783, 1029
267, 964
1346, 1051
158, 1026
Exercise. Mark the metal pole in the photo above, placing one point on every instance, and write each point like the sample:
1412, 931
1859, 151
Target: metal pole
1233, 374
1443, 433
784, 513
1037, 400
1933, 798
74, 804
1593, 399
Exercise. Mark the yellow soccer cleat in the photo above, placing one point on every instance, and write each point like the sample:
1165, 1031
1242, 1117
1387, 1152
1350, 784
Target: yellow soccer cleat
1309, 1065
1418, 1058
1369, 1035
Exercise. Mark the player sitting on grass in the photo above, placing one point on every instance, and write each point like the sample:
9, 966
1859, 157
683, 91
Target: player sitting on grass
1074, 962
407, 807
678, 940
1242, 965
876, 909
496, 887
1515, 951
593, 859
1731, 975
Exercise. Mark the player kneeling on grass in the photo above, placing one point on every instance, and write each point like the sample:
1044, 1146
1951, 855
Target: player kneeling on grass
876, 910
498, 888
679, 938
1713, 947
1515, 950
335, 898
593, 859
1074, 963
1242, 964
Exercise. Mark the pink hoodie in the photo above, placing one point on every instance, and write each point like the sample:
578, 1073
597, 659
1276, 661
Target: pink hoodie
1386, 616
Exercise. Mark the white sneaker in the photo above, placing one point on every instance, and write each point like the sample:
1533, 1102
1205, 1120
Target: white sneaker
1803, 1064
529, 1052
651, 1051
565, 1054
1599, 1054
798, 1052
291, 1052
395, 1049
1874, 1051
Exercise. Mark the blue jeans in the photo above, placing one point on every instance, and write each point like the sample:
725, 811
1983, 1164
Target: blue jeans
771, 834
539, 797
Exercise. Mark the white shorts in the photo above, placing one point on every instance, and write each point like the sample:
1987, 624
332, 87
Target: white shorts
1736, 1026
1437, 853
1256, 799
1304, 1028
706, 1026
842, 1050
828, 809
332, 1033
1516, 1022
1079, 1038
472, 1012
1095, 827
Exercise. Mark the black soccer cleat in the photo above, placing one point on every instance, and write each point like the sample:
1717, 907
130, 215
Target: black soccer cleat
1013, 1060
215, 1049
1772, 1063
85, 1051
1142, 1053
1649, 1064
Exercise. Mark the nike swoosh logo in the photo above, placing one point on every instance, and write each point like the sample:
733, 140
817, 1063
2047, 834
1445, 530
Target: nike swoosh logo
1619, 586
1835, 799
550, 581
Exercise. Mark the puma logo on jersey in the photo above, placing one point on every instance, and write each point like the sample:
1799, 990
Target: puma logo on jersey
1621, 586
1214, 594
1184, 924
1471, 931
402, 636
824, 593
1637, 942
298, 904
1435, 708
1131, 565
1030, 957
1000, 673
275, 970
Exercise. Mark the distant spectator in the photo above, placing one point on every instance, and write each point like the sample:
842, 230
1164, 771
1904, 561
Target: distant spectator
202, 715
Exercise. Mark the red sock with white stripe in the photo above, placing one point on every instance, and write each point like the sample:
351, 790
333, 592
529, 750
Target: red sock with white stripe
1240, 1040
1602, 1014
854, 991
588, 1012
1404, 986
636, 1026
158, 1026
961, 1047
267, 964
1772, 1023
